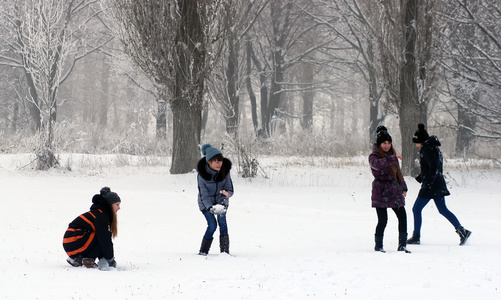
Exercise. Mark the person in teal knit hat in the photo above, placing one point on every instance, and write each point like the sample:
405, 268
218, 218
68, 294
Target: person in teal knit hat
214, 191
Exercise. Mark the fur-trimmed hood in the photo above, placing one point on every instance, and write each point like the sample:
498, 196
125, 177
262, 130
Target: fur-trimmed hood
210, 175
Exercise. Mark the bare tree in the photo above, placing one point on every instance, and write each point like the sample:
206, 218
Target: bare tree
357, 49
394, 42
405, 43
282, 42
171, 42
472, 51
46, 47
225, 87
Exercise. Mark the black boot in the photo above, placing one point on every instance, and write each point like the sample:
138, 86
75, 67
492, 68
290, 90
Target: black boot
402, 242
379, 243
415, 239
463, 235
224, 243
204, 248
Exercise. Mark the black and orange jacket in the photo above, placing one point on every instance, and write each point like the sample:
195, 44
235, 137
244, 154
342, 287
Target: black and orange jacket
91, 229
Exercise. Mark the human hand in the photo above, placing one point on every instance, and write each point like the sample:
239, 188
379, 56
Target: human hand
225, 193
112, 263
399, 156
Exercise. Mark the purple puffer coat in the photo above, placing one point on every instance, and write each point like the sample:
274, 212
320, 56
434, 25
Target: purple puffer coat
386, 191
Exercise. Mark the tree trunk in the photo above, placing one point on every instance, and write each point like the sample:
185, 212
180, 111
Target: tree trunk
187, 125
33, 105
308, 95
265, 113
467, 122
105, 87
411, 111
250, 91
466, 101
263, 92
375, 116
232, 110
205, 115
278, 14
333, 117
161, 125
275, 97
15, 117
187, 103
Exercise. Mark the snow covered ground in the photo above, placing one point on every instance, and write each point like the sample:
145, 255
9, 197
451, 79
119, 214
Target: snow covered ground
305, 232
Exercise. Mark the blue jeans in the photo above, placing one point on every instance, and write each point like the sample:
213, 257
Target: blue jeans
212, 225
442, 209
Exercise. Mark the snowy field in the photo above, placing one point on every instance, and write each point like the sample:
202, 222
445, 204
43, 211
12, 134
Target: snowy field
305, 232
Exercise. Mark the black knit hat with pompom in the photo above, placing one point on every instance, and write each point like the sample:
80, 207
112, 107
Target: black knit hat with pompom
109, 196
421, 135
382, 135
381, 128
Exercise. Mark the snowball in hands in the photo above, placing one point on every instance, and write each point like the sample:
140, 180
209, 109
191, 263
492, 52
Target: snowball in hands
218, 209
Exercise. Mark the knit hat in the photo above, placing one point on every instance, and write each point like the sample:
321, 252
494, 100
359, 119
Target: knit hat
382, 136
109, 196
209, 151
421, 135
381, 128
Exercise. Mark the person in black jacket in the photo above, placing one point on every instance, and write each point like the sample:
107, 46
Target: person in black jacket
433, 185
89, 236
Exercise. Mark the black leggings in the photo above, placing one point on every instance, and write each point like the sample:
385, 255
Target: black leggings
382, 217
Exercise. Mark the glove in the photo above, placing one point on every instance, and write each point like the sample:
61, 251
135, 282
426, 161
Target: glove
105, 264
419, 178
218, 209
112, 263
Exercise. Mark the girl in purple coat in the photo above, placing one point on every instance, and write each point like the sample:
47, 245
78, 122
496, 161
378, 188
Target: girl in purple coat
388, 188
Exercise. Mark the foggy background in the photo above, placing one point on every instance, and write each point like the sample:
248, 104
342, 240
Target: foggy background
285, 78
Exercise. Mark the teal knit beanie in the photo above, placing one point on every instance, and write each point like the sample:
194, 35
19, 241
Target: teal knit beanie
209, 151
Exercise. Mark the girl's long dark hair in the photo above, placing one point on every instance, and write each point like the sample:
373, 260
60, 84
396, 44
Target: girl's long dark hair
397, 174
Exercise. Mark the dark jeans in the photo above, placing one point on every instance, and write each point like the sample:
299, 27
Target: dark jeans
442, 209
382, 220
93, 251
212, 225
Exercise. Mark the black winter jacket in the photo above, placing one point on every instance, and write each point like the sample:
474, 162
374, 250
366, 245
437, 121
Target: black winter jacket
91, 229
432, 167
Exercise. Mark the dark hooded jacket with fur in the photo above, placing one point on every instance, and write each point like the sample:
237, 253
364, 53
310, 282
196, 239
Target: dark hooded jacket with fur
432, 167
210, 184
